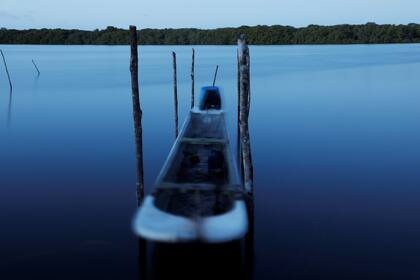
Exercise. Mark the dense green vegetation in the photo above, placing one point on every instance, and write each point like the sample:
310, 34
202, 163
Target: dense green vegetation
369, 33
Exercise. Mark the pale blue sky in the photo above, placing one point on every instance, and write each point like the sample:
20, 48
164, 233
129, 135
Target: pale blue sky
91, 14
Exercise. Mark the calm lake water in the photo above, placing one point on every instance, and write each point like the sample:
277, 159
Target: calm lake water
335, 134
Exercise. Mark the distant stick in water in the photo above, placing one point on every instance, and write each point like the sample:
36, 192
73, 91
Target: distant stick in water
137, 113
192, 78
215, 75
36, 67
175, 94
7, 71
244, 70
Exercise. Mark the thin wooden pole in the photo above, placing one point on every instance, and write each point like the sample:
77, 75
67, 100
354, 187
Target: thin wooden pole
137, 113
244, 70
193, 78
36, 67
175, 94
215, 75
7, 71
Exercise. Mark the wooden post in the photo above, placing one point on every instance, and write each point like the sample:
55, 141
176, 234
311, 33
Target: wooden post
245, 156
244, 74
175, 94
215, 75
7, 70
238, 132
137, 114
36, 67
193, 78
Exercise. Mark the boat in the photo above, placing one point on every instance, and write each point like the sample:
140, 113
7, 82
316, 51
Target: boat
198, 196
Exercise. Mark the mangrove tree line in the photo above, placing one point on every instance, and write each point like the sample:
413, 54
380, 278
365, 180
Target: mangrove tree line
369, 33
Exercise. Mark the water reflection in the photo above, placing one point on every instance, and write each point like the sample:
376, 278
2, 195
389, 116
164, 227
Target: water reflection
35, 83
249, 241
9, 110
142, 258
197, 261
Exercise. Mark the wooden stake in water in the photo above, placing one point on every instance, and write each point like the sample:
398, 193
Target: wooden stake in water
238, 133
215, 75
36, 67
244, 74
244, 98
137, 114
193, 78
175, 94
7, 70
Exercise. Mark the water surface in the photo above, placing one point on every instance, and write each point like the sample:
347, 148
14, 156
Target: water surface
335, 137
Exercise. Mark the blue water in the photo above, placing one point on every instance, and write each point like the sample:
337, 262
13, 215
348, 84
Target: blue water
335, 134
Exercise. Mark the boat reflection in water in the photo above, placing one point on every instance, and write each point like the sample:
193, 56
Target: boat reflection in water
196, 218
196, 261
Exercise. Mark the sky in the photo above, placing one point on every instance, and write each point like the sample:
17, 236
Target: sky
92, 14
